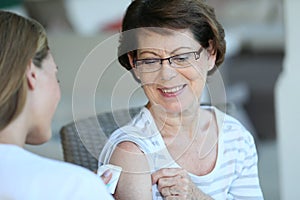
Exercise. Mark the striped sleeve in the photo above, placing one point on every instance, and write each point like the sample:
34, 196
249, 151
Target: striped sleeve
246, 184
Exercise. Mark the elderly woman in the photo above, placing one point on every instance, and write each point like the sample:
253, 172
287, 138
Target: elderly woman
29, 94
175, 148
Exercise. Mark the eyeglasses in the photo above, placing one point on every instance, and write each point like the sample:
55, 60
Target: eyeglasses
178, 61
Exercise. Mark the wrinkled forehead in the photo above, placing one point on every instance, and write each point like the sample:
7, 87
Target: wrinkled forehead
163, 38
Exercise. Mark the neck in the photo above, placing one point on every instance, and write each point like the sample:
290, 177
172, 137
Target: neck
15, 133
171, 124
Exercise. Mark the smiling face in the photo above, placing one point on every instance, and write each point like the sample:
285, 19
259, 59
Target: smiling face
175, 89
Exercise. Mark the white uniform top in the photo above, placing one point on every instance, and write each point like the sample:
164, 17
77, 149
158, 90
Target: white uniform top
235, 174
26, 176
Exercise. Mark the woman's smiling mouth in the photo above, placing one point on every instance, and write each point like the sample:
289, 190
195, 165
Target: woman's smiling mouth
174, 91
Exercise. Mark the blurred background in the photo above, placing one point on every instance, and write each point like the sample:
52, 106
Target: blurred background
256, 38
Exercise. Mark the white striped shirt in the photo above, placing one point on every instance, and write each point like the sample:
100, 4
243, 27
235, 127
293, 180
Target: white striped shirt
235, 174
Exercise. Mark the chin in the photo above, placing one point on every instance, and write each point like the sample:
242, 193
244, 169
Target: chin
180, 108
169, 109
39, 137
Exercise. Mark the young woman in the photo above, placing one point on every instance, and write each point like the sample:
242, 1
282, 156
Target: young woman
29, 94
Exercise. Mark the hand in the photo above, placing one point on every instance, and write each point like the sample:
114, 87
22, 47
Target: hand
175, 183
106, 176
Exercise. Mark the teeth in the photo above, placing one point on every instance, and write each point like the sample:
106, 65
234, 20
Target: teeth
172, 90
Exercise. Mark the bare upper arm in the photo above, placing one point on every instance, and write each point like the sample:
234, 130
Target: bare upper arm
135, 179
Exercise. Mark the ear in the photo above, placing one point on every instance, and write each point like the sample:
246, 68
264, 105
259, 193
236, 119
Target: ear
135, 71
212, 55
31, 75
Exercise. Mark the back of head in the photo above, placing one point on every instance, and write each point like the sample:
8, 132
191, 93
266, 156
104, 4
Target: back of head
22, 41
194, 15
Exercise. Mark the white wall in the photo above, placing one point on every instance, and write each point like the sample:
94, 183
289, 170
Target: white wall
89, 16
287, 106
91, 79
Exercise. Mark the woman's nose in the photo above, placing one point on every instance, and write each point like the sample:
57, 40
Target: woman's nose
167, 72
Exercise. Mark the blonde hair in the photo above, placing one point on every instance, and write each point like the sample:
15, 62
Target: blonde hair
22, 40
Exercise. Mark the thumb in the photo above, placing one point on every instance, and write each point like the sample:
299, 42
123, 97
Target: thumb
106, 176
154, 177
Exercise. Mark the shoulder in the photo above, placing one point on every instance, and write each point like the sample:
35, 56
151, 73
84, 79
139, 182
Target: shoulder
60, 170
232, 132
128, 146
56, 170
70, 178
231, 127
50, 179
236, 141
128, 155
139, 135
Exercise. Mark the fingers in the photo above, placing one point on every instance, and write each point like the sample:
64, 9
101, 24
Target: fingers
170, 181
174, 186
171, 191
173, 183
106, 176
167, 172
